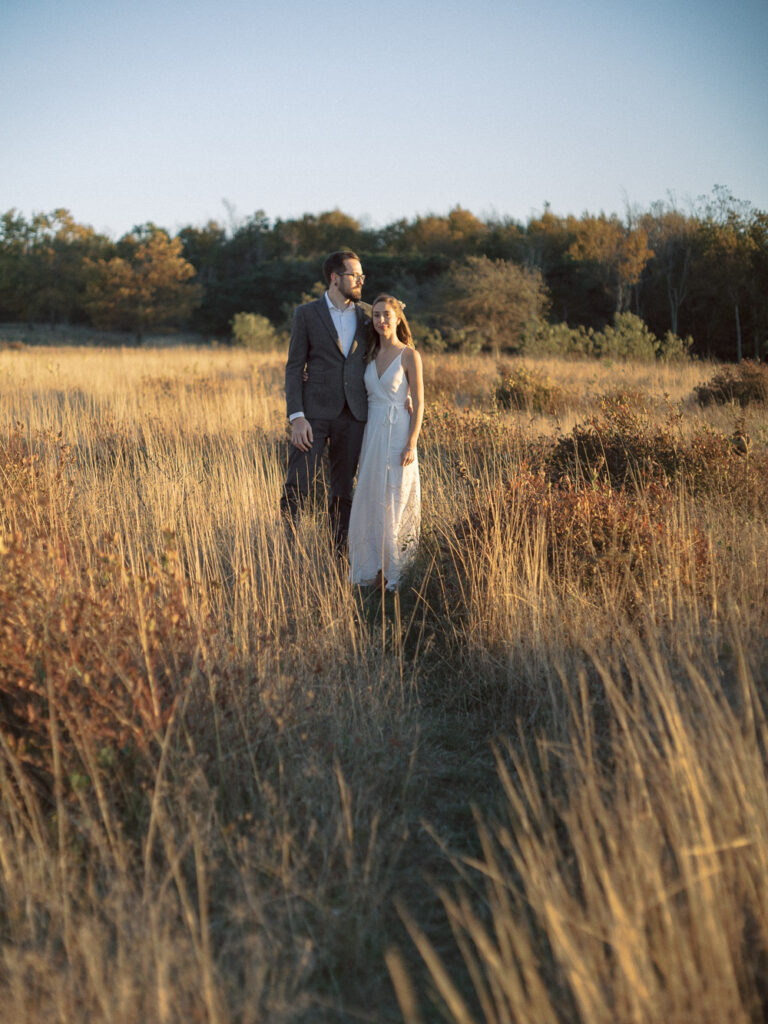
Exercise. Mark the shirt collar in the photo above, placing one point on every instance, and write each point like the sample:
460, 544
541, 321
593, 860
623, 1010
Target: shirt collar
335, 309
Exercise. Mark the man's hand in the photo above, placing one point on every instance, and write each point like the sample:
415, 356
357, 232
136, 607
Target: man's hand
301, 434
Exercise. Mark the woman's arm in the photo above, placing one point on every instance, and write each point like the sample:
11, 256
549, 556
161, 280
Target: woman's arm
415, 376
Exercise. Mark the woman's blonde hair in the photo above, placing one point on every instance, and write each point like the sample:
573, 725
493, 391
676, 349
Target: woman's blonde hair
403, 331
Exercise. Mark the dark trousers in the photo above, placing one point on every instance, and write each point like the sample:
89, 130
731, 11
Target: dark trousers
344, 437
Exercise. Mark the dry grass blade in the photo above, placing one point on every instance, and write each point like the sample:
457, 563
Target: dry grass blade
445, 986
407, 999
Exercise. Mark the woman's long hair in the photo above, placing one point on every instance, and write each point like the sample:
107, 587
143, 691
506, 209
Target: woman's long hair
403, 331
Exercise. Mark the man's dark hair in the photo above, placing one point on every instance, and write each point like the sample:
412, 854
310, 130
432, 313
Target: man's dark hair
334, 264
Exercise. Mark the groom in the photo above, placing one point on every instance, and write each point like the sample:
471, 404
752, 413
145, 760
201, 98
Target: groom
325, 393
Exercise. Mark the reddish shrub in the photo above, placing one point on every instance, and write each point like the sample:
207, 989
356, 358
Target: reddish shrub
744, 384
595, 533
85, 658
625, 445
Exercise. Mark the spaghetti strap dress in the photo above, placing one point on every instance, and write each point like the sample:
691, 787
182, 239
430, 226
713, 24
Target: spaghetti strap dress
386, 508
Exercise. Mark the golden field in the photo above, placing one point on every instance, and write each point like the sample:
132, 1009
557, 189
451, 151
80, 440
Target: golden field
531, 787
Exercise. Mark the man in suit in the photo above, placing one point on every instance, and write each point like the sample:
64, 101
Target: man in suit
325, 393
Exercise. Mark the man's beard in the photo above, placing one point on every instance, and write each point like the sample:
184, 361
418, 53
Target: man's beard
351, 291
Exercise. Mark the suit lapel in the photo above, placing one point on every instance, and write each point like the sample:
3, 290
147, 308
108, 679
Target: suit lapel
324, 314
325, 317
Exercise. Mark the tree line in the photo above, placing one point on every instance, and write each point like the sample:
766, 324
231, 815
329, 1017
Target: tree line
699, 273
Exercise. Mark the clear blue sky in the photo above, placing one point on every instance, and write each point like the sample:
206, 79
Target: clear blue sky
130, 112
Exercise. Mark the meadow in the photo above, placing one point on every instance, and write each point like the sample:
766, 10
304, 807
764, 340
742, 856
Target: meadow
530, 787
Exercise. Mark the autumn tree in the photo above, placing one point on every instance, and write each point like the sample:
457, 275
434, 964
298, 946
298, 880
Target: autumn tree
314, 234
618, 253
702, 272
547, 240
458, 234
494, 301
148, 284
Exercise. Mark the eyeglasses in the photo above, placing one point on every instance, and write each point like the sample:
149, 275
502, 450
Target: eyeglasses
349, 273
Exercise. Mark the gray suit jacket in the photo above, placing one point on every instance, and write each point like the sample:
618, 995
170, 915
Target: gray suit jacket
332, 380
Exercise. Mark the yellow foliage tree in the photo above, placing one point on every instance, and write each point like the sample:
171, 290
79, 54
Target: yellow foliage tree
619, 253
459, 232
149, 286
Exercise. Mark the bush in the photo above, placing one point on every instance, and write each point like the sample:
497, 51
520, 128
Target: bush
79, 647
624, 445
459, 339
464, 440
523, 388
593, 535
622, 400
744, 384
672, 349
560, 340
618, 445
254, 332
628, 338
430, 339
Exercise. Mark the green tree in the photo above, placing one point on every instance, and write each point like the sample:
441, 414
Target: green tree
248, 245
672, 236
42, 265
729, 251
758, 284
505, 240
148, 284
14, 287
203, 248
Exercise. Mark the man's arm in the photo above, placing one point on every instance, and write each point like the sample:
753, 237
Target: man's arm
298, 351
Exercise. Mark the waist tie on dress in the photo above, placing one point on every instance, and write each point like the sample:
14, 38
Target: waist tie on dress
390, 416
391, 410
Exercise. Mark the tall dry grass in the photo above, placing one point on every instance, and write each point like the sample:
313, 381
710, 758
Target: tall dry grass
529, 787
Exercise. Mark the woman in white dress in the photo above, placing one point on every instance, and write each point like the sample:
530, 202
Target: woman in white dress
386, 509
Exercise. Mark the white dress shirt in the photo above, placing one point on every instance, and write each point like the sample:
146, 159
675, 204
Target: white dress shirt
345, 322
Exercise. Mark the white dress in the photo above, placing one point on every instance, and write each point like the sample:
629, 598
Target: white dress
386, 509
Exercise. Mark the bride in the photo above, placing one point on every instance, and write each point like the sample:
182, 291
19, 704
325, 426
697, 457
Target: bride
386, 509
